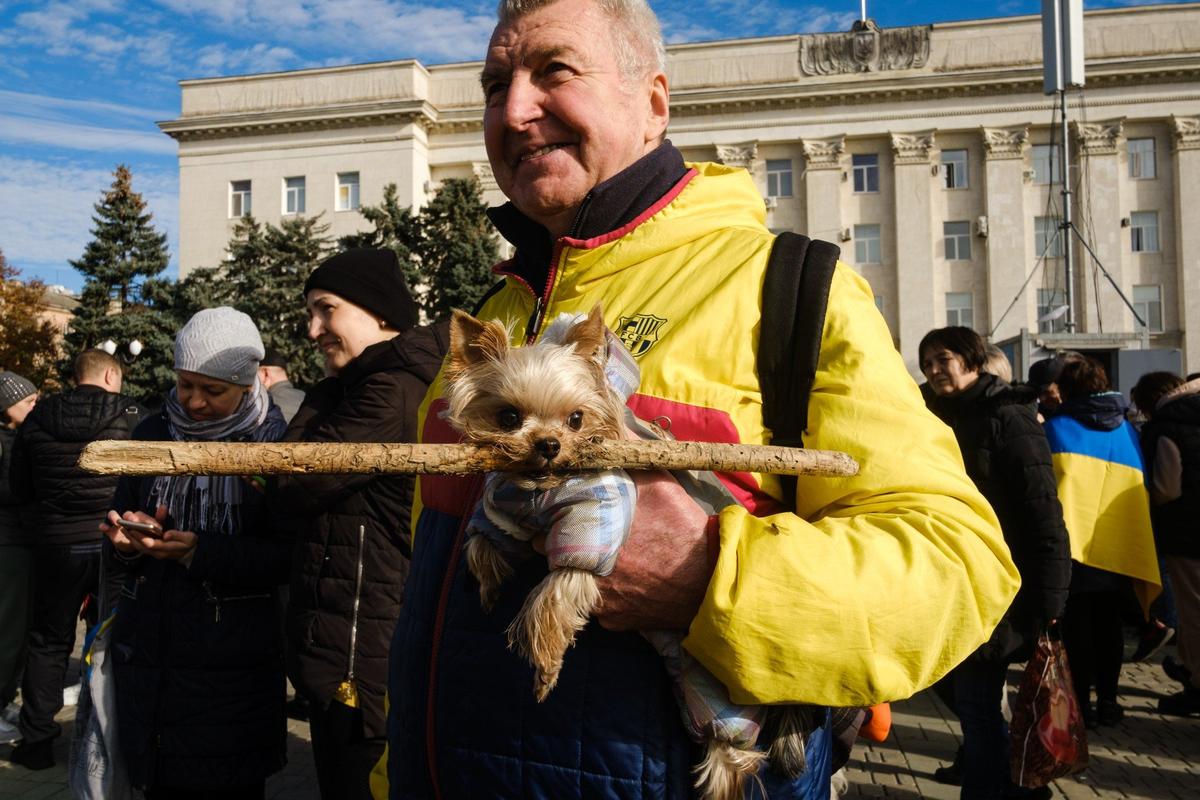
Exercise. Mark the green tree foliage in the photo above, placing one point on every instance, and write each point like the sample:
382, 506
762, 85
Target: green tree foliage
447, 249
264, 277
120, 301
458, 248
28, 344
396, 227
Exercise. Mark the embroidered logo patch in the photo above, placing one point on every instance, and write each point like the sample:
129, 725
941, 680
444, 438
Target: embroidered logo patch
639, 333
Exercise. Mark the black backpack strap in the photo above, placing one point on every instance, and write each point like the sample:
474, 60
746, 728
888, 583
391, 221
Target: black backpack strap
794, 299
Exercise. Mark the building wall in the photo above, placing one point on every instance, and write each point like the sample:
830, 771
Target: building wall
816, 101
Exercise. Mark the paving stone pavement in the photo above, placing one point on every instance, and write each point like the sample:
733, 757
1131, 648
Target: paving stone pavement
1147, 755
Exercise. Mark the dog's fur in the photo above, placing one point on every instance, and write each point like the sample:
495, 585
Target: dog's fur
543, 407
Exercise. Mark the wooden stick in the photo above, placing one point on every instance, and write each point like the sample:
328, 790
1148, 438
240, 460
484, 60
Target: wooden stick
282, 458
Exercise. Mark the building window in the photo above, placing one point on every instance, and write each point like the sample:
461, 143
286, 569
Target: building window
866, 172
1148, 302
1141, 159
958, 240
1045, 164
954, 168
239, 198
779, 177
293, 195
347, 191
866, 245
1046, 239
960, 309
1052, 310
1144, 235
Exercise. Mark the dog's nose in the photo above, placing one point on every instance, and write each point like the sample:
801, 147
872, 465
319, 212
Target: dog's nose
547, 448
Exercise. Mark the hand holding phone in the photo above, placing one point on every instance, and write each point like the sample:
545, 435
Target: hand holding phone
148, 528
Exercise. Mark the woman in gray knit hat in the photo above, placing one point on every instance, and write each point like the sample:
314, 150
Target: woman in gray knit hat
17, 397
196, 639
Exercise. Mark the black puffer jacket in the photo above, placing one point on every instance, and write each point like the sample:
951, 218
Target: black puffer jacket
348, 522
1177, 523
13, 528
197, 652
66, 502
1006, 455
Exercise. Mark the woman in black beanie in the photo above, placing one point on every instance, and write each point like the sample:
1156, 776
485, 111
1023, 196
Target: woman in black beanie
351, 560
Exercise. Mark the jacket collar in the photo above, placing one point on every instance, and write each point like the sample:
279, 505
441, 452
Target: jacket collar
607, 207
1104, 411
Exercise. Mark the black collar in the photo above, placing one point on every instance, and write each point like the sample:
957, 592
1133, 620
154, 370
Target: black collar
608, 206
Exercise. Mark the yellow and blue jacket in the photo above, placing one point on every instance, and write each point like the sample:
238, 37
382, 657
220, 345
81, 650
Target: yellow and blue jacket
871, 589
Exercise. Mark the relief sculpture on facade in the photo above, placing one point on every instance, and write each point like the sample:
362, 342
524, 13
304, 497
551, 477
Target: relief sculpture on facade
866, 48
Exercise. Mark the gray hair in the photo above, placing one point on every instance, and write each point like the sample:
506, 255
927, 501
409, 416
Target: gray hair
637, 36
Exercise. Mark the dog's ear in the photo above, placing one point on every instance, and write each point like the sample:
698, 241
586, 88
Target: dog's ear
472, 341
588, 336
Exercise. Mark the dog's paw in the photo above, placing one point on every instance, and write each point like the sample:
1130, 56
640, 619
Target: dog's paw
489, 568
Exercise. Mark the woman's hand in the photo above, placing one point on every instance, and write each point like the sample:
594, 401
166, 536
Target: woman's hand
174, 544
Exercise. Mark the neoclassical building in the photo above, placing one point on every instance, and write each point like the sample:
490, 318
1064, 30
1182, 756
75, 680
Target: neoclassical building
926, 152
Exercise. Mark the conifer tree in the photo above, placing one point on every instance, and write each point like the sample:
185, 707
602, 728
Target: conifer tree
395, 227
458, 248
28, 344
124, 254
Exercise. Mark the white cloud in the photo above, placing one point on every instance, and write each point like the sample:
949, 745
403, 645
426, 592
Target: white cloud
47, 207
35, 104
52, 133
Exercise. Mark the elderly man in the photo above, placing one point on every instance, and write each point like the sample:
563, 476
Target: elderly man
870, 589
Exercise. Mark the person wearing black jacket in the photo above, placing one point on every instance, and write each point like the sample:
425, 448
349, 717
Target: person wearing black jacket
17, 398
196, 648
1007, 456
66, 505
352, 557
1171, 446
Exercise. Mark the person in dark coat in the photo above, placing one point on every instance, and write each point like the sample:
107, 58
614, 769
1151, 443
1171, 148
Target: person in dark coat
352, 557
17, 398
1171, 447
66, 504
196, 646
273, 373
1007, 456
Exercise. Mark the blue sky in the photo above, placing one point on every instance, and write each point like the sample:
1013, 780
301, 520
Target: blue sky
83, 82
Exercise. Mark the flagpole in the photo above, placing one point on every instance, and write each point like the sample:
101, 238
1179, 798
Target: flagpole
863, 10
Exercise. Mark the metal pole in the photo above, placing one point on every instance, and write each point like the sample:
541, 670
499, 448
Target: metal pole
1065, 225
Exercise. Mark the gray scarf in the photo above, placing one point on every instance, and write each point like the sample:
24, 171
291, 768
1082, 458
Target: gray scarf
204, 503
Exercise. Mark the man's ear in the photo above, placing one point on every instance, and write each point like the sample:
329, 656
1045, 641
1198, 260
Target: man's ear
660, 108
588, 336
472, 341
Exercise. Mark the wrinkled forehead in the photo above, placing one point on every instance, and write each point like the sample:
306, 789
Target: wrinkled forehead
561, 28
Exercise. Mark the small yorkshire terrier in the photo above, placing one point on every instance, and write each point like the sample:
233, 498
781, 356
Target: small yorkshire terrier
544, 407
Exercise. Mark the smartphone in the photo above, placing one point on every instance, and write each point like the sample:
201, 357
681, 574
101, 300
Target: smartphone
148, 528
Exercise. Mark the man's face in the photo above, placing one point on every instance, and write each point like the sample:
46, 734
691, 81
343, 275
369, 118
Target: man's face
560, 116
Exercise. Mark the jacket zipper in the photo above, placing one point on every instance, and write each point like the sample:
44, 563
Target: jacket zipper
358, 573
534, 325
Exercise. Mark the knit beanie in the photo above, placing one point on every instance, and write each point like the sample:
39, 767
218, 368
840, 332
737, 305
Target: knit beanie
371, 279
220, 343
13, 389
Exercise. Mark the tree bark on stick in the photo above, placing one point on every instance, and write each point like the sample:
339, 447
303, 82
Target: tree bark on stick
282, 458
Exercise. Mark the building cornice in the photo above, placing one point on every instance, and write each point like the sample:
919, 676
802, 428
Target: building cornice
188, 129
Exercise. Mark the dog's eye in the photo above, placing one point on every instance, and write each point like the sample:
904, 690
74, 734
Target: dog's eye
508, 418
575, 421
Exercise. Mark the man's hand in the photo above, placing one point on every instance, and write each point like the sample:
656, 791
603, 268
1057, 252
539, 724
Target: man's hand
663, 570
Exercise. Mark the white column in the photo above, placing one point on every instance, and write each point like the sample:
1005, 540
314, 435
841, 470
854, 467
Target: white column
1004, 202
919, 288
823, 188
412, 158
1187, 262
1099, 200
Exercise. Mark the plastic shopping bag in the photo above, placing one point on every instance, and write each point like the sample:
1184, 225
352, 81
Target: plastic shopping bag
96, 770
1048, 736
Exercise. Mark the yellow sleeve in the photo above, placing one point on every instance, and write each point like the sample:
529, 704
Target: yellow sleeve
880, 583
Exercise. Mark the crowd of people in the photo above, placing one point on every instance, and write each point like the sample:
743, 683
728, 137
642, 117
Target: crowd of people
984, 513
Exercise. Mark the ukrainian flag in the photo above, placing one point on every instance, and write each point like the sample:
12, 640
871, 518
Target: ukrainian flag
1104, 500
